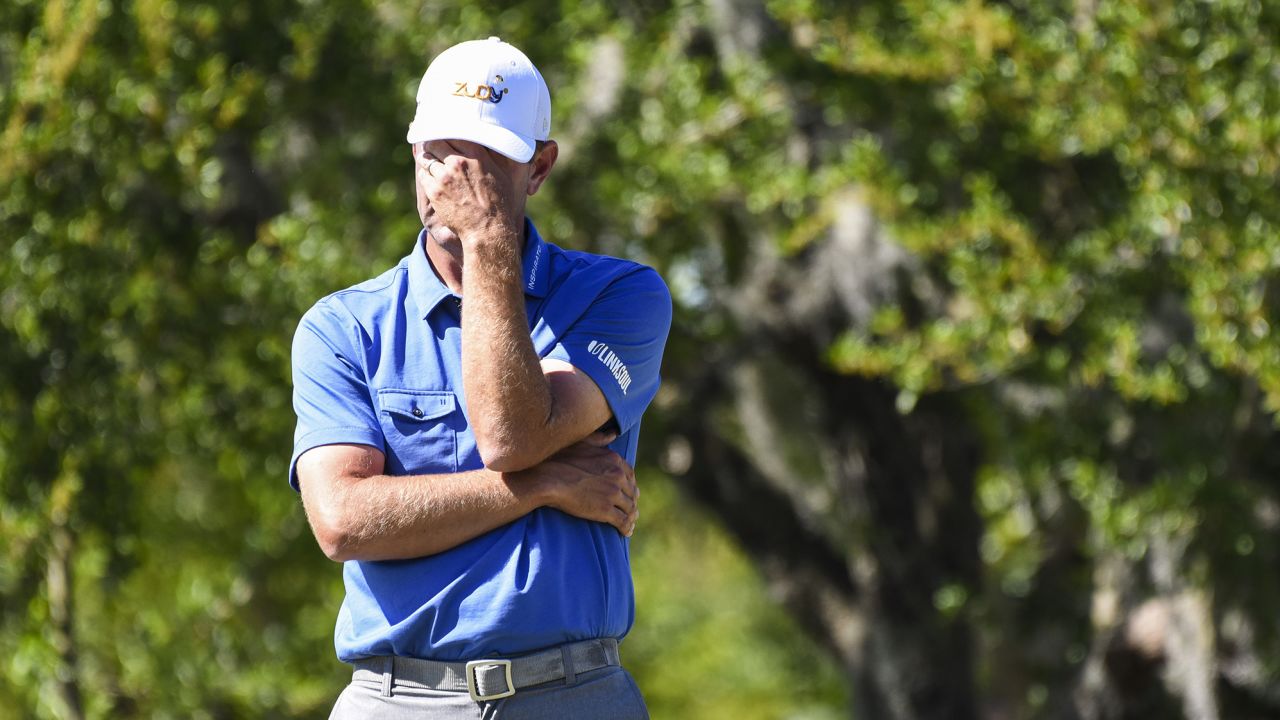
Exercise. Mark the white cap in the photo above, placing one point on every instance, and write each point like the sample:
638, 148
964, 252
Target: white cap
485, 91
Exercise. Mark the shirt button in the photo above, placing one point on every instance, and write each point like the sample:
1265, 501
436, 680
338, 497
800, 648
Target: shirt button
417, 412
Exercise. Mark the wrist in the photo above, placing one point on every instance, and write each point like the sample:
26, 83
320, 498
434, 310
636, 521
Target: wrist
497, 237
535, 488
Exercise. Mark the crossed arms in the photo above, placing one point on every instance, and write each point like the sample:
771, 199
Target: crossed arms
359, 513
554, 459
536, 426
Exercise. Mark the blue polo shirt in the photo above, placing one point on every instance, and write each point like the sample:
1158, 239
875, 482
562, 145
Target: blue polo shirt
380, 364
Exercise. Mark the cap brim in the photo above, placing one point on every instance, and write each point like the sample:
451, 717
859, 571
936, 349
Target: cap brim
497, 139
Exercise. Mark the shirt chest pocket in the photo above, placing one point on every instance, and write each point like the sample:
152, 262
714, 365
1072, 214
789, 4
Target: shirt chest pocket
421, 428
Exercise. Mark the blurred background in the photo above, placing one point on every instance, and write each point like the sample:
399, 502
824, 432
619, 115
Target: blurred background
970, 404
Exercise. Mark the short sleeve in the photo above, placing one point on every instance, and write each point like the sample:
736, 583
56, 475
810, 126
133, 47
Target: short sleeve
619, 340
330, 393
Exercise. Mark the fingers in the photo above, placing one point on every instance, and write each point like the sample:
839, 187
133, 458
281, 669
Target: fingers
467, 193
441, 171
634, 496
459, 166
597, 484
624, 518
627, 504
606, 504
600, 438
618, 505
459, 157
457, 148
591, 449
430, 171
632, 518
483, 158
622, 523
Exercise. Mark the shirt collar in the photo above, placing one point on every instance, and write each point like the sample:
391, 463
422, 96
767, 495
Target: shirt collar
428, 289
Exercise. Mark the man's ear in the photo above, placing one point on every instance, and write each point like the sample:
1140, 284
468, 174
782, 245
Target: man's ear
542, 164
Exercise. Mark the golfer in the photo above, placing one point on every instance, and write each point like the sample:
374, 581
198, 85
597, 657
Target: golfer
467, 426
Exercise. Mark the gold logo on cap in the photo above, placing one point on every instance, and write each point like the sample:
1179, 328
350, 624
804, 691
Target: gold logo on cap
482, 92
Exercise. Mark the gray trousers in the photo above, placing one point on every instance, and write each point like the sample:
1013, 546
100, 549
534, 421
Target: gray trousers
608, 692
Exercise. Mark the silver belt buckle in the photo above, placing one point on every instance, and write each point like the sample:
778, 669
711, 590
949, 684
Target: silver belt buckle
471, 679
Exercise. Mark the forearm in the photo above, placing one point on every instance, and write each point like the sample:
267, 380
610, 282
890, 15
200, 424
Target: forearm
359, 513
509, 400
382, 517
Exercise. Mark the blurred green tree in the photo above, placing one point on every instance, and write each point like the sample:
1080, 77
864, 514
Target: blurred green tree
973, 351
182, 181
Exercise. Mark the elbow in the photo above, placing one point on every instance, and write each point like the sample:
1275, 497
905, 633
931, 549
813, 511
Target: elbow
336, 544
503, 449
334, 510
505, 462
498, 450
336, 540
505, 457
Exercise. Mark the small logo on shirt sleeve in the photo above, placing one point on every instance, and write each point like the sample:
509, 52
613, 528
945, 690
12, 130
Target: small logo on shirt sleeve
613, 362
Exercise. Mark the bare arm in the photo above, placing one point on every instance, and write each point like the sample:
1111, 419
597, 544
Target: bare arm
521, 410
358, 513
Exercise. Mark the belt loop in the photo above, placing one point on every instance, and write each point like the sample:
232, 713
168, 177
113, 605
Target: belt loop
611, 653
388, 674
566, 657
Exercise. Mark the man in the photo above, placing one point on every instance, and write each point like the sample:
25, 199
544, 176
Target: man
467, 423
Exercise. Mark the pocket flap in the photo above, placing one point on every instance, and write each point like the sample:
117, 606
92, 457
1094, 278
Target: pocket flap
417, 404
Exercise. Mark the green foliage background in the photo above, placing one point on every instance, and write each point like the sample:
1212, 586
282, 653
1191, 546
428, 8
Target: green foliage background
182, 181
1087, 190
